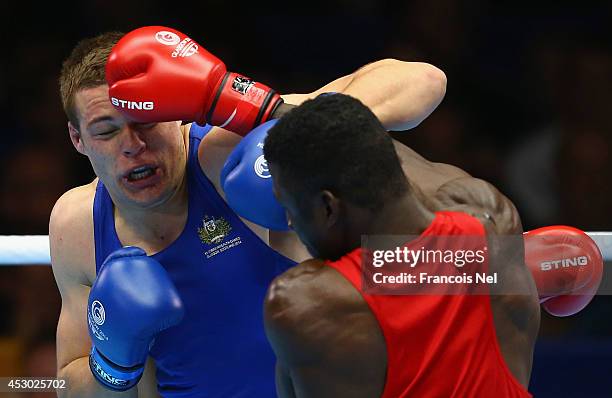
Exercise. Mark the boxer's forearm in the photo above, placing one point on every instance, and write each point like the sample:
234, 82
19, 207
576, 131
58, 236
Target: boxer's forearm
401, 94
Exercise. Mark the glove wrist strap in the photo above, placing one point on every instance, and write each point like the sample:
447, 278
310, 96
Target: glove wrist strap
241, 104
112, 376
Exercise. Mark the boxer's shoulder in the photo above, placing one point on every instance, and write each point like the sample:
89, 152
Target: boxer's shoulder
311, 290
299, 280
309, 272
427, 175
71, 233
482, 200
307, 314
468, 191
213, 151
73, 210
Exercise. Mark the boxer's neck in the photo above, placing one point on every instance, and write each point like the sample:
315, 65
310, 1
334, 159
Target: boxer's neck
154, 229
406, 215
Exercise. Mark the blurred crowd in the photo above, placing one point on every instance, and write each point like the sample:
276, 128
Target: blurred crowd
526, 109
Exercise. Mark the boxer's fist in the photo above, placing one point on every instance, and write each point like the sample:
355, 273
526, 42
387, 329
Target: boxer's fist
247, 183
158, 74
131, 301
566, 265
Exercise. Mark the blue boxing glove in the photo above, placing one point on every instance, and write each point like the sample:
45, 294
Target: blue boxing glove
131, 301
247, 183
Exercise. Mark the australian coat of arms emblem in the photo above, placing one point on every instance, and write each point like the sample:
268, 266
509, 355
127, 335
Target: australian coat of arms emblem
213, 230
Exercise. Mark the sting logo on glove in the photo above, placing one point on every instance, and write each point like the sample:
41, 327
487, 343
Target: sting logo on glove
564, 263
140, 105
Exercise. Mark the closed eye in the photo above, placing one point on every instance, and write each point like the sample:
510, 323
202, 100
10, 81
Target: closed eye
107, 133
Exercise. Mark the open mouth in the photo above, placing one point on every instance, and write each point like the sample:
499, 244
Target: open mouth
141, 173
142, 177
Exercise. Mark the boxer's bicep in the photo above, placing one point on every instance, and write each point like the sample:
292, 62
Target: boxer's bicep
287, 305
214, 149
71, 249
73, 264
336, 86
323, 334
296, 325
284, 319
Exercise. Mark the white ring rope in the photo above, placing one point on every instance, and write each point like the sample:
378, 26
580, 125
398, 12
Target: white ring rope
24, 249
34, 249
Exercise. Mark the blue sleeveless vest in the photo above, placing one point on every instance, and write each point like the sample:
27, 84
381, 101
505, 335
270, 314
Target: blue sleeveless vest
221, 270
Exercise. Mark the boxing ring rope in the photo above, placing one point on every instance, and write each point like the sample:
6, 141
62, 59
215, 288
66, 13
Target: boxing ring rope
34, 249
24, 249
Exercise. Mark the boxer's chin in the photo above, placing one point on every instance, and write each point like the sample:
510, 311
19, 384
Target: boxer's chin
149, 192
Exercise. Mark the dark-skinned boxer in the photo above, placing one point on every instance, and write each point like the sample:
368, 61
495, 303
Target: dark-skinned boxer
339, 176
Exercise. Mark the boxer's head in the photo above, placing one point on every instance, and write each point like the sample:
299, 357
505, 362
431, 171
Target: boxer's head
140, 164
83, 69
332, 163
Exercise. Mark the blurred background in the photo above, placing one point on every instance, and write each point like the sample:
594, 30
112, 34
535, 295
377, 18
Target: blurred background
527, 108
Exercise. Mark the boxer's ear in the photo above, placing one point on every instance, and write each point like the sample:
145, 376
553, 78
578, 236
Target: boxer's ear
76, 138
330, 206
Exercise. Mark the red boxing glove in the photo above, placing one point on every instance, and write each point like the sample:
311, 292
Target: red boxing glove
566, 265
158, 74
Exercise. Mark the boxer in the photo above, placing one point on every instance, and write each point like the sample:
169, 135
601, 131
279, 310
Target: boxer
162, 284
340, 176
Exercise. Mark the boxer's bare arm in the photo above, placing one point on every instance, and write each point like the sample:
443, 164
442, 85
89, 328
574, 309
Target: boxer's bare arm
73, 262
401, 94
326, 339
514, 301
72, 258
